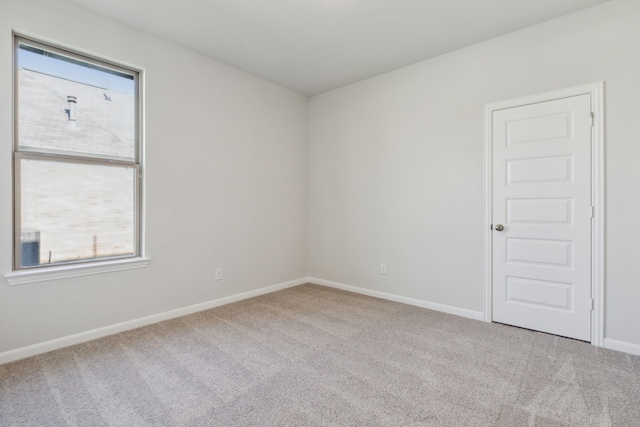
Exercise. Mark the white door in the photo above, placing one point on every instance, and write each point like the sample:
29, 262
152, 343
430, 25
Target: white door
542, 216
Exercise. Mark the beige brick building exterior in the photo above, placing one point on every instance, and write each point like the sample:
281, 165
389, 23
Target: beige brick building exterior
81, 210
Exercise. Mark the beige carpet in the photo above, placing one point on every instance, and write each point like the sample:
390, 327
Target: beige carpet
315, 356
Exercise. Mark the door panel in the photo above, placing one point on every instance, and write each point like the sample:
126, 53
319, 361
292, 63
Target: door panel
542, 198
550, 253
523, 171
541, 128
539, 292
540, 211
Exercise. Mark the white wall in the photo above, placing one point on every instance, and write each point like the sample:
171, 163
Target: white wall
226, 182
396, 162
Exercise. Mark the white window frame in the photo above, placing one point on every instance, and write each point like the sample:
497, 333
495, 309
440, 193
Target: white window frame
23, 274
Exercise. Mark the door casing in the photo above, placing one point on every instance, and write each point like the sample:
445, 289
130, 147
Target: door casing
596, 90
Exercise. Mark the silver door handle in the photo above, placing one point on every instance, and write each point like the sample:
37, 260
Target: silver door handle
499, 227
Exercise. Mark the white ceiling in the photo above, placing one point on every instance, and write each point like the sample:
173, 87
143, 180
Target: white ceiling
312, 46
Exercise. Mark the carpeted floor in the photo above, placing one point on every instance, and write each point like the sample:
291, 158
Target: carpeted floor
316, 356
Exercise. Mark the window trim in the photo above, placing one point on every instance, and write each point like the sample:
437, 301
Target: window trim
21, 274
63, 271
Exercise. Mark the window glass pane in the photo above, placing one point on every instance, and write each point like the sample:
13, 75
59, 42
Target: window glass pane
72, 106
75, 211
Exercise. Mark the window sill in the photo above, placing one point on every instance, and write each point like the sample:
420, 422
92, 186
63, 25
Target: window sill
65, 271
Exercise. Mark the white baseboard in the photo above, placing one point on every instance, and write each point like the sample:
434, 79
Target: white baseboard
32, 350
622, 346
476, 315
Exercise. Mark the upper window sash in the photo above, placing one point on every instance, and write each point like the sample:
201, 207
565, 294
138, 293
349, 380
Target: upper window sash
93, 73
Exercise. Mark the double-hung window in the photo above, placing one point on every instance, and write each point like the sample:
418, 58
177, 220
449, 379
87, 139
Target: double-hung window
77, 170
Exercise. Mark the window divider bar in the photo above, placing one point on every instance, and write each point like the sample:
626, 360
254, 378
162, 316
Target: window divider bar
42, 154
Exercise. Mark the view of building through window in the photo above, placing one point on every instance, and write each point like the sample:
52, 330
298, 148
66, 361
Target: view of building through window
76, 162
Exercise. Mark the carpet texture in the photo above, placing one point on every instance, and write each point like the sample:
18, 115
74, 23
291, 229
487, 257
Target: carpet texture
316, 356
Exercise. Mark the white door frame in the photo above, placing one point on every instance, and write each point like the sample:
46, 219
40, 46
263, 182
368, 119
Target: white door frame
596, 90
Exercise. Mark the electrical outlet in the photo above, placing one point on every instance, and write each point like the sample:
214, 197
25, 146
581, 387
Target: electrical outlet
218, 274
383, 268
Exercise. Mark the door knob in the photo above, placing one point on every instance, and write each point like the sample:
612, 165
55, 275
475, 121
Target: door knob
499, 227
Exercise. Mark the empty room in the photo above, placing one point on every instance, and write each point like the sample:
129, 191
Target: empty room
319, 213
